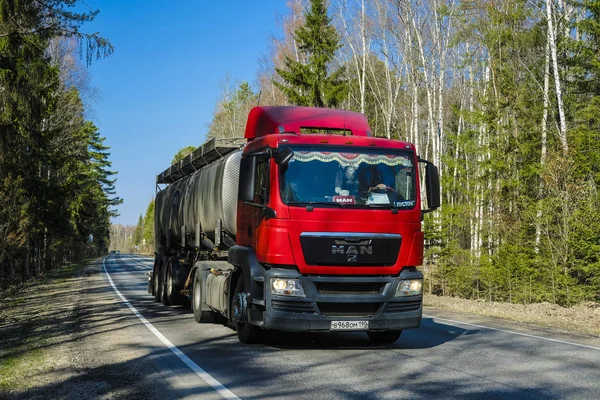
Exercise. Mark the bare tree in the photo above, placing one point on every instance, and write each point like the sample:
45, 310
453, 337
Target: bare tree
280, 49
234, 103
352, 17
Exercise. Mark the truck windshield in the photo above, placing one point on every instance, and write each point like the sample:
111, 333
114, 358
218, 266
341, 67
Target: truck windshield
349, 177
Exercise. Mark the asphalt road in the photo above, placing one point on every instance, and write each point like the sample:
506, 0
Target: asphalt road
449, 356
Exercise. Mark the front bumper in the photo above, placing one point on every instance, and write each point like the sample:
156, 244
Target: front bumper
331, 298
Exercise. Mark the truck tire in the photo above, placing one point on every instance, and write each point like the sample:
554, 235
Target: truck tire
153, 281
386, 337
199, 315
157, 281
163, 283
172, 291
246, 332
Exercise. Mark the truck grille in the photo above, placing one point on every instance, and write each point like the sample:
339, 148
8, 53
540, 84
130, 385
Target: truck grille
339, 248
403, 306
349, 309
293, 306
342, 288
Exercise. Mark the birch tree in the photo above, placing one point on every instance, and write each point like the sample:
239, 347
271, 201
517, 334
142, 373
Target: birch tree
557, 80
353, 20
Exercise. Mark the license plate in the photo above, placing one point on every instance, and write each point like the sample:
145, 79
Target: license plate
349, 325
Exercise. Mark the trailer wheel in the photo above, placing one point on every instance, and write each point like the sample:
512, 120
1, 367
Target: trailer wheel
154, 272
246, 332
199, 315
163, 284
386, 337
172, 292
157, 281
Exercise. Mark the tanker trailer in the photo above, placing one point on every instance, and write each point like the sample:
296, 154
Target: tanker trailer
313, 226
195, 216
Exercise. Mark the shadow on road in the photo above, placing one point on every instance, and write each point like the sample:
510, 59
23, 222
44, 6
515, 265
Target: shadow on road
429, 362
430, 334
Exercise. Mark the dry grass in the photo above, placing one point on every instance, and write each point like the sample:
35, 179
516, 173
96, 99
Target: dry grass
583, 318
35, 318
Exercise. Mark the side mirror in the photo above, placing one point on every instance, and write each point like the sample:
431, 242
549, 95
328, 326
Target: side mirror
432, 184
283, 156
247, 179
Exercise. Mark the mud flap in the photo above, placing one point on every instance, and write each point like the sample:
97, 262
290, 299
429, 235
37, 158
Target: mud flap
149, 275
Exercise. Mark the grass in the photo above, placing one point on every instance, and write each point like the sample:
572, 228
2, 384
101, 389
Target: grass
583, 318
34, 318
14, 370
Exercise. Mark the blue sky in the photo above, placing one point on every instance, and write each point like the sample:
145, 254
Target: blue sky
159, 89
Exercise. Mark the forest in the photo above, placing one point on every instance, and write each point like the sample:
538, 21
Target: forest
57, 190
502, 95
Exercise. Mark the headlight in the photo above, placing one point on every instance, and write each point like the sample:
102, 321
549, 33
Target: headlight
409, 287
287, 287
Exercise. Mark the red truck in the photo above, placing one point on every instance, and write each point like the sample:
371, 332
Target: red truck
308, 224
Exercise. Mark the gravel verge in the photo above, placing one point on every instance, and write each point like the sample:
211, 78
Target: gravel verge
583, 318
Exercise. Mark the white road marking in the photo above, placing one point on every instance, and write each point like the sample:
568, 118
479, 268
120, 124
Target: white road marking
514, 333
206, 377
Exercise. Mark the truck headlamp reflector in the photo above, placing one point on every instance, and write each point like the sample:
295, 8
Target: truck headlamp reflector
409, 287
287, 287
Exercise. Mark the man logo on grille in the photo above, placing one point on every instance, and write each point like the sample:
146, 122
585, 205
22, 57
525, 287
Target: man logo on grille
351, 250
352, 258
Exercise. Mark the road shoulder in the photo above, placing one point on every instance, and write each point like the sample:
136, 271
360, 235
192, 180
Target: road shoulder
582, 320
66, 336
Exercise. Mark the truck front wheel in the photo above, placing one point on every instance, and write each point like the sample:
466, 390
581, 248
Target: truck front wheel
384, 337
199, 315
246, 332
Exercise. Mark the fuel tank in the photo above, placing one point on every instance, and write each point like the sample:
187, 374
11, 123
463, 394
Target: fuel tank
203, 197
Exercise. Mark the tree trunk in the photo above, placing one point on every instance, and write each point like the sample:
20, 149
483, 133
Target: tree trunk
557, 83
538, 228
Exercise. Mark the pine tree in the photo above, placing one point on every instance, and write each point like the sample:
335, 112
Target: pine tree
137, 234
148, 228
583, 61
92, 191
41, 159
584, 66
229, 119
310, 84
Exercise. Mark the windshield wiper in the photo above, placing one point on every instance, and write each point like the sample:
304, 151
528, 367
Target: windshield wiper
375, 205
313, 203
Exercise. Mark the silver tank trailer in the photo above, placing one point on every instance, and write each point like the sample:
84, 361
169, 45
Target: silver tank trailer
203, 197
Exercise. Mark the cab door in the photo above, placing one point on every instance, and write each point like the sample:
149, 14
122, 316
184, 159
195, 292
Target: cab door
252, 213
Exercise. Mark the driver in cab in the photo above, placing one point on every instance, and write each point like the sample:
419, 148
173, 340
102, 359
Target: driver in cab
367, 183
346, 182
376, 184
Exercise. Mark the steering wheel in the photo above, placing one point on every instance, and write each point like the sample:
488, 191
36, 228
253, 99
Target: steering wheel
382, 187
